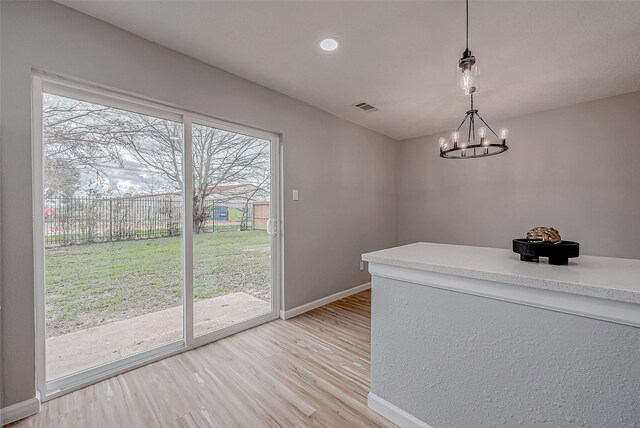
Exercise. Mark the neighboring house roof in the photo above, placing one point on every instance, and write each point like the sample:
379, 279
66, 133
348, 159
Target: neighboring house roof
224, 190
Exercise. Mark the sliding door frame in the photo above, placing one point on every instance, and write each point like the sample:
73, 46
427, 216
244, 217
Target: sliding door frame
43, 82
274, 206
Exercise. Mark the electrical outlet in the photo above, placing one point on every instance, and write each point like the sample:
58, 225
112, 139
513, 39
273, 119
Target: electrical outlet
361, 265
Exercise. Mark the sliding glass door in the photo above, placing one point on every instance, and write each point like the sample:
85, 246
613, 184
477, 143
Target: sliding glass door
231, 243
112, 226
155, 231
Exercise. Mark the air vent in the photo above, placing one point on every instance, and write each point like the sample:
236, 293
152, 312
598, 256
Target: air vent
366, 107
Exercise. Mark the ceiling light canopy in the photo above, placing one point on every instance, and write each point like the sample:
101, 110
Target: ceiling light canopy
329, 44
484, 141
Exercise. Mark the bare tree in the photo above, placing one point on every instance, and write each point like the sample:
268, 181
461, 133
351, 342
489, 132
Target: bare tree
80, 136
61, 180
221, 157
105, 142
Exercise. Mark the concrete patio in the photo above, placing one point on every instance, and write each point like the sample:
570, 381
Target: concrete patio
83, 349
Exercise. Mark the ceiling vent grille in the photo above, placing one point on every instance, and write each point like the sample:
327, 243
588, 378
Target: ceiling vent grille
366, 107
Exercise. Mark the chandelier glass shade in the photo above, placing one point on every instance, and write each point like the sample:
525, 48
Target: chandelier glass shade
466, 141
468, 74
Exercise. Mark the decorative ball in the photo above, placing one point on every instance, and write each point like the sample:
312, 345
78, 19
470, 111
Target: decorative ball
544, 234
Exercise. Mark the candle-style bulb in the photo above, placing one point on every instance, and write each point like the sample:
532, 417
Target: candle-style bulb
455, 136
503, 133
482, 132
443, 142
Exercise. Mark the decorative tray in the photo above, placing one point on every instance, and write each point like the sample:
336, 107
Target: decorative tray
558, 252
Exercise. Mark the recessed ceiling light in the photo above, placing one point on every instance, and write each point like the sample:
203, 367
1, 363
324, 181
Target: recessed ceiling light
329, 44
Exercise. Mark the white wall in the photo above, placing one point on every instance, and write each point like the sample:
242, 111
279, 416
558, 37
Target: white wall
345, 173
575, 168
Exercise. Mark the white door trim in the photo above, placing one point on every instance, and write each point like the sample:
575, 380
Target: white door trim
38, 230
187, 230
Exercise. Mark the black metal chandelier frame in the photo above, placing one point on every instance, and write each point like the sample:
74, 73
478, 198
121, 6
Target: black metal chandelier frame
475, 145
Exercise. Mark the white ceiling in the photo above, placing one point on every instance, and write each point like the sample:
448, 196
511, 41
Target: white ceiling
401, 56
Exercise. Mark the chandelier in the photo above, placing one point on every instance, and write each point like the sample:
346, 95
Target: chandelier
484, 141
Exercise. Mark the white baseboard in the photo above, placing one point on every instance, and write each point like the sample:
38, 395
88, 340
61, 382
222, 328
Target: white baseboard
285, 315
393, 413
20, 410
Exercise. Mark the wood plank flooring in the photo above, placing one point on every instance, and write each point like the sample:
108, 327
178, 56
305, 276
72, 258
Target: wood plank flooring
310, 371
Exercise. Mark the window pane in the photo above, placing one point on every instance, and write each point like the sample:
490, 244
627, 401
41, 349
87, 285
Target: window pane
113, 225
231, 246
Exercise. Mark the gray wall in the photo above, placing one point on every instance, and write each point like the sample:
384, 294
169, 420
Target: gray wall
345, 173
575, 168
456, 360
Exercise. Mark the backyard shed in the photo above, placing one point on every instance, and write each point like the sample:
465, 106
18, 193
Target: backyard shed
261, 213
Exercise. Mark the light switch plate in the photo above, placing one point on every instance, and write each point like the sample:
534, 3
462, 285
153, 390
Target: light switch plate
295, 194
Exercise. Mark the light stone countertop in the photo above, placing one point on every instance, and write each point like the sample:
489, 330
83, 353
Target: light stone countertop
603, 277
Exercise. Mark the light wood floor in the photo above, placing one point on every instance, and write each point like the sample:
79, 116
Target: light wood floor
312, 370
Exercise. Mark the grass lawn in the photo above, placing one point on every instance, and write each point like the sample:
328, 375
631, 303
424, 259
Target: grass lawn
89, 285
